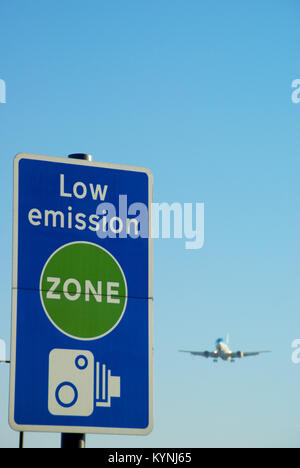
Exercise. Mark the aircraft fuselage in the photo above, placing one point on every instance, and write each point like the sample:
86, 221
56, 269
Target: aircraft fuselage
223, 351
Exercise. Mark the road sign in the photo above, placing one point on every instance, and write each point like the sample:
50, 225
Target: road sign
81, 348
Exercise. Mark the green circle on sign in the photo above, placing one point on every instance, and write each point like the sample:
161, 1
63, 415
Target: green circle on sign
83, 290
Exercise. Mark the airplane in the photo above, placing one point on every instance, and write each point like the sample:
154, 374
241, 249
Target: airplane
223, 352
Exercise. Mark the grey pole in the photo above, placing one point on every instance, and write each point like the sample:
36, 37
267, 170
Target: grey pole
21, 440
84, 156
21, 435
70, 440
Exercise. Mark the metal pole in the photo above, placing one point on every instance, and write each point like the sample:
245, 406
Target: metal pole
21, 440
21, 435
83, 156
70, 440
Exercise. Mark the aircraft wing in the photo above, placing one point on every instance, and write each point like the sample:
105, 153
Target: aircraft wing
239, 354
205, 354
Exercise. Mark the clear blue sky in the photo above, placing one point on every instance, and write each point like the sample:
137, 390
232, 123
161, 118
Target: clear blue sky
199, 92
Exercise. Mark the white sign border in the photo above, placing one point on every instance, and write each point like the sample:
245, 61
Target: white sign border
77, 429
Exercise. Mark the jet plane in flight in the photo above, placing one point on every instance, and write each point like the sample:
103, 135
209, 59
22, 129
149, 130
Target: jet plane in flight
223, 352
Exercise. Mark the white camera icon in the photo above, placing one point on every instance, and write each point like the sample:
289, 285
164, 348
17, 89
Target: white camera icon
72, 389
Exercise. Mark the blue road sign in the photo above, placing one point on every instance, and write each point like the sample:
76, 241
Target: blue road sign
81, 348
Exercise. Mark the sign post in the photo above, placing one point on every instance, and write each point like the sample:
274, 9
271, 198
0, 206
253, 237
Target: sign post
81, 348
69, 440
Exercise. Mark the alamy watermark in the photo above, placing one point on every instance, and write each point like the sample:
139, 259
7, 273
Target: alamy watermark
122, 219
2, 92
296, 91
296, 352
176, 221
